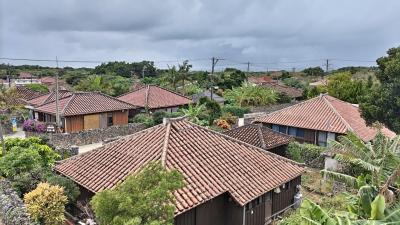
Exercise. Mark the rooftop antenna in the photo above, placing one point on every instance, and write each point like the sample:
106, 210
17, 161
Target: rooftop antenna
57, 105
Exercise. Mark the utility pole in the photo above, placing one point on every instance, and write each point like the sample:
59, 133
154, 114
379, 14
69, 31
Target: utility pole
248, 67
57, 100
214, 62
327, 66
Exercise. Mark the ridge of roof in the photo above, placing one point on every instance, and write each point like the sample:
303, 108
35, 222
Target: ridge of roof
165, 145
336, 112
71, 97
260, 134
146, 97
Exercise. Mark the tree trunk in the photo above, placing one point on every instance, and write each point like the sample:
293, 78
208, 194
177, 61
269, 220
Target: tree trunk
2, 140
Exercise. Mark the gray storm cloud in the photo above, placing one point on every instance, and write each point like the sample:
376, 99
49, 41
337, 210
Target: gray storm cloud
263, 31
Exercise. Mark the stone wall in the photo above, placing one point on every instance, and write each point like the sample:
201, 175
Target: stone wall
66, 140
12, 208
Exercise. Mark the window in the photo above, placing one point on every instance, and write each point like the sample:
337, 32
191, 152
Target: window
282, 129
109, 119
275, 127
322, 136
300, 133
293, 131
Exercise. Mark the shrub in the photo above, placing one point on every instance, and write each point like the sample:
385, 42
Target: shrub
306, 153
29, 125
34, 126
235, 110
37, 87
284, 98
70, 188
144, 118
223, 124
40, 127
46, 204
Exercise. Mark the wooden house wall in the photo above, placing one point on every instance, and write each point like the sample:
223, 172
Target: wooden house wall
218, 211
94, 121
120, 117
286, 197
74, 124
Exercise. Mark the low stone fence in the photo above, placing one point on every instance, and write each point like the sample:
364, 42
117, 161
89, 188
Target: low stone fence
66, 140
12, 208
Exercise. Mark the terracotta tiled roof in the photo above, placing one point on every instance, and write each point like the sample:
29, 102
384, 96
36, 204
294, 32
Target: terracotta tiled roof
49, 97
324, 113
79, 103
25, 75
48, 80
154, 97
211, 163
261, 79
291, 91
260, 136
27, 94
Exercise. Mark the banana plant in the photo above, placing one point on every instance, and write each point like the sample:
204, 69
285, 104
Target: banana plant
312, 214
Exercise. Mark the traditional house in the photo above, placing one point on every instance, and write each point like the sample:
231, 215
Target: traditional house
294, 93
27, 94
261, 80
226, 180
49, 97
208, 94
48, 81
154, 98
262, 137
84, 111
320, 119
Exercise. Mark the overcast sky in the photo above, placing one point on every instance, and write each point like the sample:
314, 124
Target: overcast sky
269, 33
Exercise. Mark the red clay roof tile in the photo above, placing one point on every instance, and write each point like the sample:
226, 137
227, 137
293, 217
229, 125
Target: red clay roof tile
79, 103
211, 163
260, 136
157, 97
324, 113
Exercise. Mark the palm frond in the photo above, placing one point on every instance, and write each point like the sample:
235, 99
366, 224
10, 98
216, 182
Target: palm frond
347, 179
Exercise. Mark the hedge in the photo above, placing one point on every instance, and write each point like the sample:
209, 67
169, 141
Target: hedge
12, 208
306, 153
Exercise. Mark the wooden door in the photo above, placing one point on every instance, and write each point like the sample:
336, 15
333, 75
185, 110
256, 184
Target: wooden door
256, 215
91, 121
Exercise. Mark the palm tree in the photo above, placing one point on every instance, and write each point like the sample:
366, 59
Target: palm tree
193, 112
379, 162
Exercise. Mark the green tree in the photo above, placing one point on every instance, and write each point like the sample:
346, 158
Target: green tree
249, 95
184, 71
194, 113
314, 71
342, 86
383, 102
231, 78
108, 84
71, 190
27, 162
145, 198
9, 103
